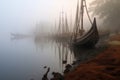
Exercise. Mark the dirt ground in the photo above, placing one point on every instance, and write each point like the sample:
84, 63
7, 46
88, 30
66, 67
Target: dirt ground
106, 66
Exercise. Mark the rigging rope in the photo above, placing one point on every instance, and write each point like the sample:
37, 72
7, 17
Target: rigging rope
87, 12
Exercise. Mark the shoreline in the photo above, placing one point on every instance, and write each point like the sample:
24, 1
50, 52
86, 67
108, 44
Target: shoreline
105, 66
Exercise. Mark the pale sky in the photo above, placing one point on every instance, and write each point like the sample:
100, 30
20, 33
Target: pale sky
22, 15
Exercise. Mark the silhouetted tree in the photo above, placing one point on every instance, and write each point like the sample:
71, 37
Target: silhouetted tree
108, 11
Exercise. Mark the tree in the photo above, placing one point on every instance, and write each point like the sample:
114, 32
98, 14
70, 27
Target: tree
108, 11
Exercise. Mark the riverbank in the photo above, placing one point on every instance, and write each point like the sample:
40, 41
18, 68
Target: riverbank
106, 66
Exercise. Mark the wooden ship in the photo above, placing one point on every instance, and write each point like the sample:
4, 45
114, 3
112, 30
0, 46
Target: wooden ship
79, 37
63, 33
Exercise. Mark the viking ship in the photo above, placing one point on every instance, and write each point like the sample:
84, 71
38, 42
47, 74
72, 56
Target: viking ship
80, 38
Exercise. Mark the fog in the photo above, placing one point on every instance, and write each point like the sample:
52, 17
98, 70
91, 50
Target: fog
108, 11
21, 16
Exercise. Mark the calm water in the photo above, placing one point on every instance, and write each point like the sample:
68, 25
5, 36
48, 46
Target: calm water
24, 59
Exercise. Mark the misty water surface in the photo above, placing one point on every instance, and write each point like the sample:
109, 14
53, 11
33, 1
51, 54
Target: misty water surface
23, 59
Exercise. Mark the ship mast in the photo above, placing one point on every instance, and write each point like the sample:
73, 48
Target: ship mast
66, 24
63, 24
82, 15
59, 27
78, 27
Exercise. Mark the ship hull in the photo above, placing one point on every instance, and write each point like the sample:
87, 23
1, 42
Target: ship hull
89, 39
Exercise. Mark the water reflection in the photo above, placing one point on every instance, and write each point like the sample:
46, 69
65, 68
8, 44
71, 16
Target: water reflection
75, 55
65, 55
81, 54
61, 51
54, 54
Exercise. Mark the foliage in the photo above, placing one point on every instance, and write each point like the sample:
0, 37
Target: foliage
108, 11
